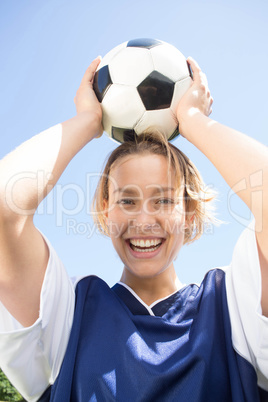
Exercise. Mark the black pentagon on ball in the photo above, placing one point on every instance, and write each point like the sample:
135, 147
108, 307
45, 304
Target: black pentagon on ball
174, 134
102, 82
190, 70
123, 134
144, 42
156, 91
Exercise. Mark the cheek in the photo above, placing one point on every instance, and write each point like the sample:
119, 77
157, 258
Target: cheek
116, 222
175, 219
175, 227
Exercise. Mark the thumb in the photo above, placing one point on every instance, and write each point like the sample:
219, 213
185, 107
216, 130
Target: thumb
90, 71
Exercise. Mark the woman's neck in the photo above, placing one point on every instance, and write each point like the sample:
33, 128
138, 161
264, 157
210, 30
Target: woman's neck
153, 288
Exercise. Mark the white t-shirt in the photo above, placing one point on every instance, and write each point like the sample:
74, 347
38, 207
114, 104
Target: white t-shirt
31, 357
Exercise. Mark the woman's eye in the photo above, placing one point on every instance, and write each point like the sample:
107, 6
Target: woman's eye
165, 201
125, 201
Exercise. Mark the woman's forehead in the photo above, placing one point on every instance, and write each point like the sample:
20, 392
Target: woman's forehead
130, 165
143, 171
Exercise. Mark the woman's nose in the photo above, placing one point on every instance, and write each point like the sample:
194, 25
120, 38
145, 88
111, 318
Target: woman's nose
145, 218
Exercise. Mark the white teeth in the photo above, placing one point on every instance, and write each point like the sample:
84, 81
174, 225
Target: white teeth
145, 243
145, 250
145, 246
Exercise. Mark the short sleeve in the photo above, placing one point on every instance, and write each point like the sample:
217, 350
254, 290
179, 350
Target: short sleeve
31, 357
244, 289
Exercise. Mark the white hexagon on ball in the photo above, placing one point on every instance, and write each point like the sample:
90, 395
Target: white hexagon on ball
109, 56
163, 120
170, 62
179, 90
123, 66
122, 107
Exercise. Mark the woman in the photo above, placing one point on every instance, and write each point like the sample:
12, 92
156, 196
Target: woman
148, 338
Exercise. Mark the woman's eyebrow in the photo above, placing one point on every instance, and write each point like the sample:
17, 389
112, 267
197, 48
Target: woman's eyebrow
165, 189
161, 190
132, 191
128, 191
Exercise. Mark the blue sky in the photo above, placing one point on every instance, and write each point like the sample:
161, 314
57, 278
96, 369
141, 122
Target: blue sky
46, 47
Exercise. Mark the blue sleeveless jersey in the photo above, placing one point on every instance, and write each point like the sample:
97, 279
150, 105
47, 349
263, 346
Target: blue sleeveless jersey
119, 352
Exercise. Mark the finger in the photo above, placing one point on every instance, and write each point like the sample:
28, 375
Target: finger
211, 102
90, 71
204, 80
196, 70
210, 106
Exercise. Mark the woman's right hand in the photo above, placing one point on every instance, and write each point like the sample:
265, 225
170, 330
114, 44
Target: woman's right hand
86, 100
196, 100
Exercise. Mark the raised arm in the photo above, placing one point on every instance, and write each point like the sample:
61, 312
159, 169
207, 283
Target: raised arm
26, 176
241, 160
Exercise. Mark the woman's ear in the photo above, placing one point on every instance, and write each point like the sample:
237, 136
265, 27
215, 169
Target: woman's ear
192, 217
105, 205
189, 219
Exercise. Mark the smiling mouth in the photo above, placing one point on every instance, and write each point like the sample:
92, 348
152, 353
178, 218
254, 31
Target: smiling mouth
145, 246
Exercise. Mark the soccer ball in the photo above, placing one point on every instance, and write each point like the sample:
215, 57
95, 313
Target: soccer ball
139, 84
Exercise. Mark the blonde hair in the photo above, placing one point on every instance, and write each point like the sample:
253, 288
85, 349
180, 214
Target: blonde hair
197, 198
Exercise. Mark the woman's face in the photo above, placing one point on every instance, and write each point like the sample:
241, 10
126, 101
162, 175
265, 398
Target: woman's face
145, 215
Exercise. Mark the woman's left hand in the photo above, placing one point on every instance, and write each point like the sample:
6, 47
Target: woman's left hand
197, 99
86, 100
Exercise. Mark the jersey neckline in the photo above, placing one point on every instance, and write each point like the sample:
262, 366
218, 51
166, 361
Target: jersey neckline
138, 307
